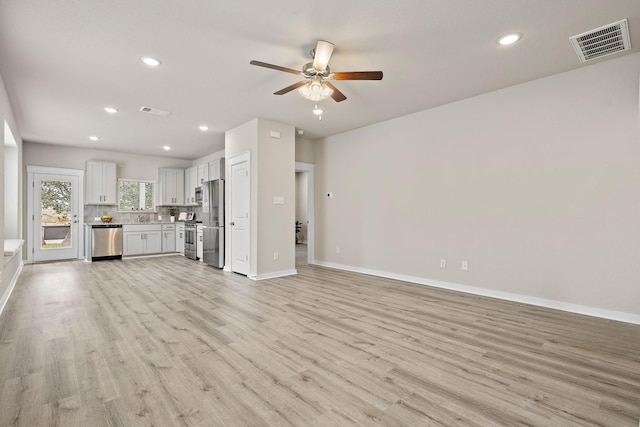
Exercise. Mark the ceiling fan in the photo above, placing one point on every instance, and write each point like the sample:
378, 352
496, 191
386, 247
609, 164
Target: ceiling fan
316, 86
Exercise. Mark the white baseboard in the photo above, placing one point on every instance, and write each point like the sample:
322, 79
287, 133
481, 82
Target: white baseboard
541, 302
12, 284
274, 275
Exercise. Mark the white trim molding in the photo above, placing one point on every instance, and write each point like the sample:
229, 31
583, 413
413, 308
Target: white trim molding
5, 298
507, 296
274, 275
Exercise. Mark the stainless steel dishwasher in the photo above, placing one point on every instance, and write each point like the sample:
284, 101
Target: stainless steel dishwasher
106, 241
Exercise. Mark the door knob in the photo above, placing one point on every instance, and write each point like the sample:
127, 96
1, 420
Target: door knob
233, 223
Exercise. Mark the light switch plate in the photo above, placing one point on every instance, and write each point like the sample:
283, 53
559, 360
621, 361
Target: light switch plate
278, 200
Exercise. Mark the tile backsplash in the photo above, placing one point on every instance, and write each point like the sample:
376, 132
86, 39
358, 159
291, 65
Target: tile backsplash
93, 211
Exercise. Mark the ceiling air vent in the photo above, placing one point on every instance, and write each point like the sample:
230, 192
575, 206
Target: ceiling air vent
603, 41
155, 111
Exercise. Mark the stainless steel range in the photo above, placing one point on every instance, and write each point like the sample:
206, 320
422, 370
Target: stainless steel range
190, 240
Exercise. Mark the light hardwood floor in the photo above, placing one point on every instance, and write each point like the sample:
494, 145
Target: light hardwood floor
168, 341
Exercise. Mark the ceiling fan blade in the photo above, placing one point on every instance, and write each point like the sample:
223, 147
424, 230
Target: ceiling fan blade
322, 55
275, 67
290, 88
358, 75
336, 94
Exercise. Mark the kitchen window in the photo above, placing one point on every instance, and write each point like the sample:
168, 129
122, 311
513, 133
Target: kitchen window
136, 195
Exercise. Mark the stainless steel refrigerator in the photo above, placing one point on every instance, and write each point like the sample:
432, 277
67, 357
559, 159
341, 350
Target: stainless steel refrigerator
213, 223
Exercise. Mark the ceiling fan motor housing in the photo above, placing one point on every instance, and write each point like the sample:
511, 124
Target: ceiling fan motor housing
310, 72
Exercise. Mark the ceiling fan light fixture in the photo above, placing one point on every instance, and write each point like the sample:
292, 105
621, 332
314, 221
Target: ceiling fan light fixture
315, 90
318, 111
322, 54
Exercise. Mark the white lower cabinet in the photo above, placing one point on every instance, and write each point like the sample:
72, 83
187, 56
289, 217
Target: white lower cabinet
180, 238
168, 238
140, 239
199, 240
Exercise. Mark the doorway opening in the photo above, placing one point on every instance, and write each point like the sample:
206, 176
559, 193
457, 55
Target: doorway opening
304, 213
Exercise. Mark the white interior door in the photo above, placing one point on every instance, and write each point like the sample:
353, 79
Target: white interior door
56, 217
240, 202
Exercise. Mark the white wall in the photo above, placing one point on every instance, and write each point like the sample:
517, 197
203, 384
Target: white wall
276, 177
208, 158
536, 186
11, 190
12, 195
304, 150
129, 165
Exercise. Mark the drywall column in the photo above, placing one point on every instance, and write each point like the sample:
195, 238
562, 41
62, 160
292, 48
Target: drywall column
272, 213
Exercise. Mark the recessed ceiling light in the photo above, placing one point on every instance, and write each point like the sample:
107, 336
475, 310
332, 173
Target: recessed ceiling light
111, 110
508, 39
166, 148
94, 138
203, 128
151, 62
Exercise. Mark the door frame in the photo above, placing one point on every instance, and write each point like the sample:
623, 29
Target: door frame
309, 168
31, 171
238, 158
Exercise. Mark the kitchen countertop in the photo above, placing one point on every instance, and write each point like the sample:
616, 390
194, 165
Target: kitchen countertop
132, 223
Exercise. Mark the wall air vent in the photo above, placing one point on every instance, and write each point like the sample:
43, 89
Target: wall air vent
156, 111
603, 41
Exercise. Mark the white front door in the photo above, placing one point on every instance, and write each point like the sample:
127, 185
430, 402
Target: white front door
240, 197
56, 221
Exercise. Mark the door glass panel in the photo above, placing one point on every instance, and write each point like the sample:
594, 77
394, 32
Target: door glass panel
55, 232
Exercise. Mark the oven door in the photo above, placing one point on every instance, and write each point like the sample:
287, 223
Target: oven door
190, 242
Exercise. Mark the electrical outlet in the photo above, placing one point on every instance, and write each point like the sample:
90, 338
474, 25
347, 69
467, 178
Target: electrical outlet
337, 249
276, 256
464, 265
443, 263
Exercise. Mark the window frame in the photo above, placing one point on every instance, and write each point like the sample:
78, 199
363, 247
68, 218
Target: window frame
153, 209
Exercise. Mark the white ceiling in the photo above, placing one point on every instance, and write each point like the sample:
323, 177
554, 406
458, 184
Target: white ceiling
62, 61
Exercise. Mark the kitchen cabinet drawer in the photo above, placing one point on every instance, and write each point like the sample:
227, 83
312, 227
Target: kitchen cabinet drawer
141, 227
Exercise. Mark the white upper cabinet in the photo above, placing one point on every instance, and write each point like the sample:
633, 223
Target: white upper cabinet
190, 184
101, 183
216, 169
171, 187
203, 174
